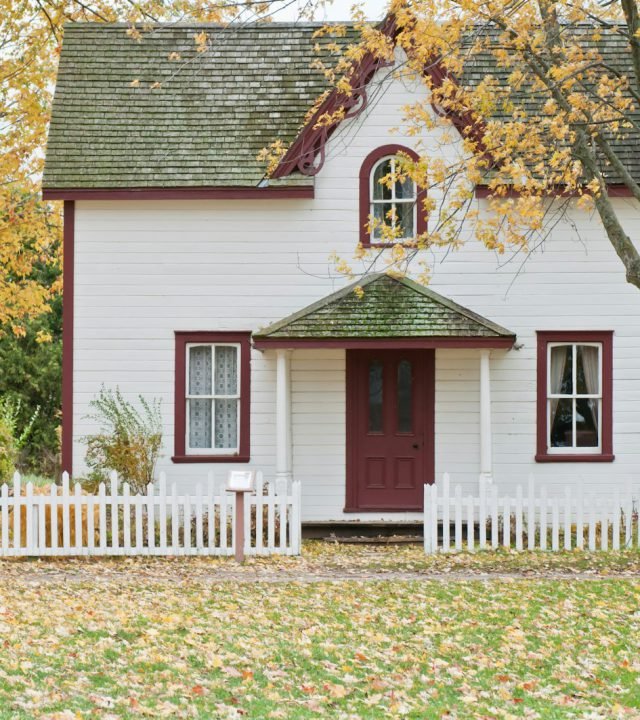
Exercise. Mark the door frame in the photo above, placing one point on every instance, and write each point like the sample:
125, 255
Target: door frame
351, 430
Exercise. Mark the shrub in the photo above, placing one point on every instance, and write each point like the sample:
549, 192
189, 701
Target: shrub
12, 439
129, 440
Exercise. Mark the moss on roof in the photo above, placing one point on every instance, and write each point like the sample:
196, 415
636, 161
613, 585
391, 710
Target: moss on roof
389, 308
203, 126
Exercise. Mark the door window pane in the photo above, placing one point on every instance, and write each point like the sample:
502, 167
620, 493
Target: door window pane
375, 396
405, 399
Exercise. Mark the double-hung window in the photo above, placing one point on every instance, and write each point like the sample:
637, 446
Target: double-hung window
212, 396
574, 396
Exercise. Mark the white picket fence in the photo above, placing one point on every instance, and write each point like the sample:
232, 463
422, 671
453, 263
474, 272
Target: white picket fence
164, 521
535, 519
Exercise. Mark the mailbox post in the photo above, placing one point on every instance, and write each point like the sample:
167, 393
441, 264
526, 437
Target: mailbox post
240, 482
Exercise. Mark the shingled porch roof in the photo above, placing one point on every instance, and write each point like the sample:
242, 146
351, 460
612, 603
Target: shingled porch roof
390, 312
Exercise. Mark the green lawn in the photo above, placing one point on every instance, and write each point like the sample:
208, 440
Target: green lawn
159, 643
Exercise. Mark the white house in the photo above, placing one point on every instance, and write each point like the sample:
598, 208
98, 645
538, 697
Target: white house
192, 278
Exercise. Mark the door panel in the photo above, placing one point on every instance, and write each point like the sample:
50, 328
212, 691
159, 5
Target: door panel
390, 408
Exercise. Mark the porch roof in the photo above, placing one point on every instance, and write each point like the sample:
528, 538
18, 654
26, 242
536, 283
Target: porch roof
389, 312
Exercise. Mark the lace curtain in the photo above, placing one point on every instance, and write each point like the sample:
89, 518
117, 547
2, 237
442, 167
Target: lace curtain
213, 416
226, 383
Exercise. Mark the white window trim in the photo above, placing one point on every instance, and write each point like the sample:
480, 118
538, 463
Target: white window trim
212, 450
392, 200
574, 449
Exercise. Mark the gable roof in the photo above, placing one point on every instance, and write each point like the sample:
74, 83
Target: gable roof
213, 113
205, 124
389, 308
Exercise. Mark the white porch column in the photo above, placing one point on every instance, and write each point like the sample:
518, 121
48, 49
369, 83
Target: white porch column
486, 461
283, 416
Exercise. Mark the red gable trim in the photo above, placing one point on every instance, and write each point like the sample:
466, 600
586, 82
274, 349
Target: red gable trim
67, 336
179, 193
307, 153
311, 140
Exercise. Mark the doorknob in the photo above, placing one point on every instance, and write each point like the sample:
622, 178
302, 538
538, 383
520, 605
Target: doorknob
416, 446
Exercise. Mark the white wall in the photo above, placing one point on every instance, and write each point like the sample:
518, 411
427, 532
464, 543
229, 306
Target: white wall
146, 269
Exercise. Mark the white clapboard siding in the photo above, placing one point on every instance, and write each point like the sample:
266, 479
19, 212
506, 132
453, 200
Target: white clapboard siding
535, 519
64, 520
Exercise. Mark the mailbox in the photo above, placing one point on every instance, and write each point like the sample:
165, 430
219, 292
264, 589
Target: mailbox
241, 481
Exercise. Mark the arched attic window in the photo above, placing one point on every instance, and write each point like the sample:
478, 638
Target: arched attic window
397, 205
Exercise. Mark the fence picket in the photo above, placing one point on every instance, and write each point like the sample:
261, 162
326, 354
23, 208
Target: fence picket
426, 534
506, 522
162, 512
223, 519
434, 517
592, 524
77, 510
5, 517
259, 512
482, 514
544, 509
567, 518
519, 517
175, 521
138, 500
30, 529
555, 524
211, 512
66, 531
470, 524
628, 517
115, 530
604, 526
531, 514
296, 525
457, 517
126, 517
495, 518
42, 526
580, 519
446, 524
199, 537
615, 527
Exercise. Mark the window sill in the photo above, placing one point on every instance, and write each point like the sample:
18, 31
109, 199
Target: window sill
577, 457
210, 458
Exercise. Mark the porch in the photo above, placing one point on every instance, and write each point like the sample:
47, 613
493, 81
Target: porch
385, 346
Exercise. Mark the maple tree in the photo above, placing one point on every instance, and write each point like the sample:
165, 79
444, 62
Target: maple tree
31, 33
544, 96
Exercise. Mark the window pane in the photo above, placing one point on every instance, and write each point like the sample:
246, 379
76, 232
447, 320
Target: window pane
199, 423
587, 423
380, 212
405, 399
588, 370
381, 191
375, 396
561, 414
226, 370
226, 435
405, 189
200, 370
405, 219
560, 370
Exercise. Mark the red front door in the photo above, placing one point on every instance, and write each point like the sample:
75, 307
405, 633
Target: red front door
390, 430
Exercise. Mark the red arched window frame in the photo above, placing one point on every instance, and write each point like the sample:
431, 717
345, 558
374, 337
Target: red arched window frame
365, 192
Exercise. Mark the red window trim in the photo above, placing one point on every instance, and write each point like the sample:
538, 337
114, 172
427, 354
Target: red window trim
180, 403
365, 198
601, 336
